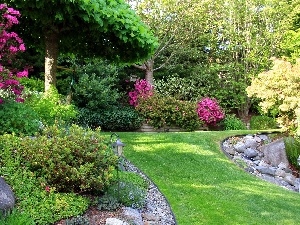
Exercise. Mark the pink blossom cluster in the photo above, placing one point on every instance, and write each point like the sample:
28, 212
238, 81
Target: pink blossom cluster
10, 45
142, 89
209, 111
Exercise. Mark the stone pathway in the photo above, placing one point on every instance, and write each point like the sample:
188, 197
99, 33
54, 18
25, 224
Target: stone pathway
262, 157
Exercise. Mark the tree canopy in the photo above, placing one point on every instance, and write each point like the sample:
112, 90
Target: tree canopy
94, 28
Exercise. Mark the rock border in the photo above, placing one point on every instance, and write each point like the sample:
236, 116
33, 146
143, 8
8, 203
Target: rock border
255, 154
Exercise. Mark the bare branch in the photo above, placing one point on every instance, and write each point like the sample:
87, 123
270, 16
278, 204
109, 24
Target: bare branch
141, 67
165, 63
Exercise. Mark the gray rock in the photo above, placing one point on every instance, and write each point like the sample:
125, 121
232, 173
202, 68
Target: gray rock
229, 150
280, 173
250, 143
250, 153
133, 215
7, 198
282, 166
263, 137
240, 147
274, 153
290, 179
266, 170
115, 221
269, 178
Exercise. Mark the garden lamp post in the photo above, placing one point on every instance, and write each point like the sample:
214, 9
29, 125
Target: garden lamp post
298, 162
117, 147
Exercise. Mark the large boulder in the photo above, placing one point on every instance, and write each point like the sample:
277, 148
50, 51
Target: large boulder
274, 153
7, 198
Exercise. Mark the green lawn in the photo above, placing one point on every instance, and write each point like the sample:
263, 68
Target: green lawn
203, 186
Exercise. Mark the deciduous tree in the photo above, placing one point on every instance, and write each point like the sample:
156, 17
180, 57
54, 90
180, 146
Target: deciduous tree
87, 27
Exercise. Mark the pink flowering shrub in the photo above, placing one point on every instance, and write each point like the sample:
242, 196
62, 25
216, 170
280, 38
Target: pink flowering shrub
209, 111
10, 45
142, 89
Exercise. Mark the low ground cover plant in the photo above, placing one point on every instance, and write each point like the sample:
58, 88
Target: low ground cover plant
130, 190
33, 196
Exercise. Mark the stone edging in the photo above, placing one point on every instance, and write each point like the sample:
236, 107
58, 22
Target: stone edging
254, 152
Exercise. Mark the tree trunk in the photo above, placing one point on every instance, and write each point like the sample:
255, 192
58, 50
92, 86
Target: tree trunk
51, 54
147, 67
149, 71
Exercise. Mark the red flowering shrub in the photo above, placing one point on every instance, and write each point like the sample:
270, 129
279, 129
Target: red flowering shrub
142, 89
10, 45
209, 111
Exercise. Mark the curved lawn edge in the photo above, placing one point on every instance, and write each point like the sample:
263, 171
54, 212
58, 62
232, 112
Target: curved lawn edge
189, 169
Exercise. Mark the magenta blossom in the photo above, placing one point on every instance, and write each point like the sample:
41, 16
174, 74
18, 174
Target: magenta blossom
142, 89
209, 111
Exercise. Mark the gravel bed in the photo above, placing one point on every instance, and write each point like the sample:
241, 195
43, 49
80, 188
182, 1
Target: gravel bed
156, 203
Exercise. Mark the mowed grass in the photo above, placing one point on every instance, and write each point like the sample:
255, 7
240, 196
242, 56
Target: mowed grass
202, 185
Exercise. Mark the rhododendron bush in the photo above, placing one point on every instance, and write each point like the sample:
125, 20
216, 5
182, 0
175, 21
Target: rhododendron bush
209, 111
10, 45
142, 89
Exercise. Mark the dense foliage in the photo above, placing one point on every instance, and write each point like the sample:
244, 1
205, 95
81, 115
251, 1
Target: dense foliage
232, 122
165, 111
43, 203
278, 90
263, 123
18, 118
71, 159
51, 107
99, 100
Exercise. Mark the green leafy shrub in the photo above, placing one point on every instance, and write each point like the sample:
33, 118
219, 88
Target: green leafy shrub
292, 148
32, 84
231, 122
160, 111
95, 90
262, 123
34, 197
130, 190
123, 118
71, 159
51, 108
18, 118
